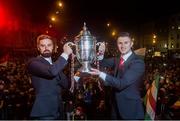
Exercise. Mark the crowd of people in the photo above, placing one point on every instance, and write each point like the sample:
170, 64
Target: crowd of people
90, 100
169, 85
16, 92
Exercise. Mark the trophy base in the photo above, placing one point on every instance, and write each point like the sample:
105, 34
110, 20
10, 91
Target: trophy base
85, 67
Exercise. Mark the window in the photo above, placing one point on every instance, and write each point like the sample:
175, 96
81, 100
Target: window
172, 46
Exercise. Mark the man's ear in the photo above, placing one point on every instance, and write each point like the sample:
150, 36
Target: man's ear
38, 48
132, 43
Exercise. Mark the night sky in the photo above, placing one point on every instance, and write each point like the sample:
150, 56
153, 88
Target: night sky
123, 14
117, 10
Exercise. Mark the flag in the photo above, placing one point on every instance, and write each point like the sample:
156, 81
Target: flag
151, 98
4, 60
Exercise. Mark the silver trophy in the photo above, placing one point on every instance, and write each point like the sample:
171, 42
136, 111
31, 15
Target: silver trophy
85, 45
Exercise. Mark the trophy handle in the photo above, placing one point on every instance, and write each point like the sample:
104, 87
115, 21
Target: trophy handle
99, 44
70, 44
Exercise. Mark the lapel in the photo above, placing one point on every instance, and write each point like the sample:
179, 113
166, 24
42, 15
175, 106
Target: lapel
43, 60
128, 61
117, 59
126, 64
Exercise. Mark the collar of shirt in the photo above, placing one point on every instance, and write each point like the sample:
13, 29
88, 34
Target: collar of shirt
126, 56
48, 59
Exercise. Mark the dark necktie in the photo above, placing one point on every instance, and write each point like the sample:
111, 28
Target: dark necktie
121, 63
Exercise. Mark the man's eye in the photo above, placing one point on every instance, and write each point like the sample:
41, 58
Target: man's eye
126, 42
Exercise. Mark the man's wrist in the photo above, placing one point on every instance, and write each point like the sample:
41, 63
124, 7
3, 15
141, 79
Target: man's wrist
102, 75
65, 56
100, 57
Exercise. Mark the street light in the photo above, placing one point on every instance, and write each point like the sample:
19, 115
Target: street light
53, 18
113, 33
60, 4
108, 24
154, 38
57, 12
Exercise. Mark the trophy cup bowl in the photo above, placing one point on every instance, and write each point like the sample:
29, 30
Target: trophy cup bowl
85, 45
86, 52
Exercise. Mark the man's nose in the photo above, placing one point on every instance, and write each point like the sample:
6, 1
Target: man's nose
46, 47
122, 45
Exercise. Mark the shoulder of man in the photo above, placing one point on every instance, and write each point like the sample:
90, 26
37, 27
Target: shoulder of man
38, 58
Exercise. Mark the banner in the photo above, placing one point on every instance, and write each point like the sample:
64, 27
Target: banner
151, 98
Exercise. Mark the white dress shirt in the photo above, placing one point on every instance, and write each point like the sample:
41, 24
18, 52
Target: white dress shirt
49, 59
102, 75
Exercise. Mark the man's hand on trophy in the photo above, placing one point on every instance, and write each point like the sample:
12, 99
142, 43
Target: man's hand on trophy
67, 49
102, 48
94, 72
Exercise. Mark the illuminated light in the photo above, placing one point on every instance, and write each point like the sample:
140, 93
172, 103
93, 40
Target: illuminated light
165, 45
154, 36
60, 4
113, 33
154, 41
133, 39
53, 18
108, 24
50, 26
2, 16
7, 20
57, 12
47, 32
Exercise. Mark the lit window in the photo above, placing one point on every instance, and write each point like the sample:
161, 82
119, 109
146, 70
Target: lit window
172, 46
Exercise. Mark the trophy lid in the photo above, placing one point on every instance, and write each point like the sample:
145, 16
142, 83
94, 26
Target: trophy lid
84, 32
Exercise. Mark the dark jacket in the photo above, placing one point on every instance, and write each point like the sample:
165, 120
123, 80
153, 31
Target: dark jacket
48, 80
127, 103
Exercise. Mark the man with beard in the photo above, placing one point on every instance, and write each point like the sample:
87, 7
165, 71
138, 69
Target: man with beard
48, 80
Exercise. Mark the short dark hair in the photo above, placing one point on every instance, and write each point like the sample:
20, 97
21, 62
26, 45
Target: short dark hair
124, 34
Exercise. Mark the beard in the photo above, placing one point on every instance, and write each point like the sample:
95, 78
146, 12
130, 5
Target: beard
46, 54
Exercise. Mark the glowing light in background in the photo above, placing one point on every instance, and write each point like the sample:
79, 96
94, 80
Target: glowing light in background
60, 4
113, 33
108, 24
2, 16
